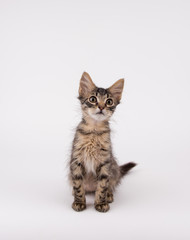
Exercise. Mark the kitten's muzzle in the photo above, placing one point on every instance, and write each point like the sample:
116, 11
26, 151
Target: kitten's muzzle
101, 111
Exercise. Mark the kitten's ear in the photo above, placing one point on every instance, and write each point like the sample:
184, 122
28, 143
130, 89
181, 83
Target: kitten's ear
117, 88
86, 84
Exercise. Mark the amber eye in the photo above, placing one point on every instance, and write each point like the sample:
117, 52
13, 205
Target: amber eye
109, 102
93, 99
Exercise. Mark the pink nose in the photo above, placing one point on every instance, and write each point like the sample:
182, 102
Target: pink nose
101, 107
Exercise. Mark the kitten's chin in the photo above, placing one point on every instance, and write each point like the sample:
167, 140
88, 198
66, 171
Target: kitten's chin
98, 117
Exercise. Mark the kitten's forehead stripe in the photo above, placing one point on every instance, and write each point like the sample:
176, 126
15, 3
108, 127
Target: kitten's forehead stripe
102, 91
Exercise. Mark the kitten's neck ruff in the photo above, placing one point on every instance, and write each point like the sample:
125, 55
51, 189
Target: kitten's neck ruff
95, 124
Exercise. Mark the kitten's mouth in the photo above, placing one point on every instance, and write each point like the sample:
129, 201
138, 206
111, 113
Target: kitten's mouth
100, 113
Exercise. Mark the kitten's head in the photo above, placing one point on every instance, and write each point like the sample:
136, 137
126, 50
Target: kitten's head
99, 103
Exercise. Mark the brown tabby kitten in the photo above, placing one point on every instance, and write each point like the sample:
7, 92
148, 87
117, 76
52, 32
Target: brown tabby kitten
93, 167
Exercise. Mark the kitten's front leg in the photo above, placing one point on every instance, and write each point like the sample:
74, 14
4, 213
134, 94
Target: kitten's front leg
101, 203
77, 174
109, 196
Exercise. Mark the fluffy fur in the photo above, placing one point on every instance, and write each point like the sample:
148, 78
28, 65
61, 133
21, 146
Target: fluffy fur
93, 167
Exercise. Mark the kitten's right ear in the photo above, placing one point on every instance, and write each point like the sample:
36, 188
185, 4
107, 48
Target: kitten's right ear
86, 84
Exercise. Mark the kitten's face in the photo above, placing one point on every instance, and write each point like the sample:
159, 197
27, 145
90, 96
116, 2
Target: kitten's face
99, 103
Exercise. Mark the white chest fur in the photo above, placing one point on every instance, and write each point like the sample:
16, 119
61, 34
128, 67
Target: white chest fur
89, 166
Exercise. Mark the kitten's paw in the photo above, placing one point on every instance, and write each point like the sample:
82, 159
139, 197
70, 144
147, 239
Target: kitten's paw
102, 207
110, 198
78, 206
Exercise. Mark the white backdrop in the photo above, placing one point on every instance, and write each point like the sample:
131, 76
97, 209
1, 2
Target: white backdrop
44, 48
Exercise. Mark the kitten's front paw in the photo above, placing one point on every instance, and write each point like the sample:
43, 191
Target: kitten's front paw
102, 207
78, 206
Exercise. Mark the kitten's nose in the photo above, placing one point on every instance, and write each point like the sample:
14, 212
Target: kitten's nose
101, 107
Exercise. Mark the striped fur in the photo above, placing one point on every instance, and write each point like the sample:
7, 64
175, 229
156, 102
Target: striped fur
93, 167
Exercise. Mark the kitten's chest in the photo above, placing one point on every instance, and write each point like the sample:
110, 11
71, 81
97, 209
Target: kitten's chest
93, 149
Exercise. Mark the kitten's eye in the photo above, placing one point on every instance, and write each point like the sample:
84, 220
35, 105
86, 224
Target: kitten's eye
109, 102
93, 99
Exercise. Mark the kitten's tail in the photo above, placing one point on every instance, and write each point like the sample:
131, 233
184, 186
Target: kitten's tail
126, 167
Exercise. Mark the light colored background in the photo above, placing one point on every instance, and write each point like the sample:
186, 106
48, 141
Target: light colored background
44, 48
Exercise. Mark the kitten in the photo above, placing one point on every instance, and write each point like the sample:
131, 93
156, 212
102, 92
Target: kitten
93, 167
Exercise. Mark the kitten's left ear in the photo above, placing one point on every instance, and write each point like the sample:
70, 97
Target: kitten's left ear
86, 84
117, 88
